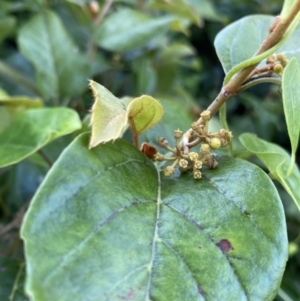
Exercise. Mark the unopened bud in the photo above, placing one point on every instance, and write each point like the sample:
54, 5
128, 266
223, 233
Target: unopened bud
215, 143
177, 134
198, 164
197, 174
169, 171
204, 149
193, 156
183, 163
278, 68
205, 115
163, 142
158, 157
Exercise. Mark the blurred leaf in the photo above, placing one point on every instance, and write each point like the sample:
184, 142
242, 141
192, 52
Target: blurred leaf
169, 123
128, 29
277, 160
143, 113
122, 232
109, 116
239, 41
32, 130
180, 8
21, 101
12, 277
61, 69
7, 24
12, 106
291, 104
145, 79
205, 9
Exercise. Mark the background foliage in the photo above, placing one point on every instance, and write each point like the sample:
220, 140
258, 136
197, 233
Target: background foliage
49, 49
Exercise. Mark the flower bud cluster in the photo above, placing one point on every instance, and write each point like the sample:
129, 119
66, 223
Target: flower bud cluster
194, 161
277, 62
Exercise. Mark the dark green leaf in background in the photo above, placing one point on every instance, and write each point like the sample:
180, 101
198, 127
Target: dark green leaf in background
62, 71
12, 277
33, 129
105, 226
128, 29
7, 24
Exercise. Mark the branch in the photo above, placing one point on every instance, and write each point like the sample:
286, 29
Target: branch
281, 29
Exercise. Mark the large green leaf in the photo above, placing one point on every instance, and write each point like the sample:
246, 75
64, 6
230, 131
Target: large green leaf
32, 130
62, 70
105, 226
240, 40
277, 160
128, 29
291, 104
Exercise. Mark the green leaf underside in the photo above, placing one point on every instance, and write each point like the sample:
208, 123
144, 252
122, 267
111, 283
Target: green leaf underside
240, 40
90, 234
277, 160
61, 69
143, 113
33, 129
291, 104
135, 29
109, 115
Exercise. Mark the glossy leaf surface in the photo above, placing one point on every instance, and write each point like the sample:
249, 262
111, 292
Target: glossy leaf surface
122, 232
134, 30
109, 116
143, 113
33, 129
240, 40
277, 160
62, 70
291, 104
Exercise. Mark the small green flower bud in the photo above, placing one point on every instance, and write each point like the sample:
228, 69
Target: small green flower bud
205, 115
205, 148
215, 143
193, 156
195, 126
183, 163
169, 171
197, 174
222, 132
281, 57
163, 142
278, 68
284, 63
177, 134
158, 157
198, 164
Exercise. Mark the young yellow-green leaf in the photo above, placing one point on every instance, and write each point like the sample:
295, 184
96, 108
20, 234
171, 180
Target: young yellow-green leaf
33, 129
277, 160
291, 104
143, 113
109, 116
